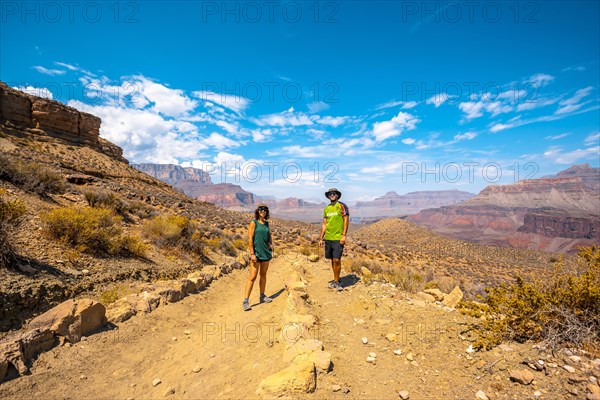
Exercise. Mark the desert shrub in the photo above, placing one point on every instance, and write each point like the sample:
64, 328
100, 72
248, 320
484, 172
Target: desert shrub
174, 231
103, 199
240, 244
166, 230
561, 308
31, 177
406, 279
10, 213
93, 230
226, 247
140, 209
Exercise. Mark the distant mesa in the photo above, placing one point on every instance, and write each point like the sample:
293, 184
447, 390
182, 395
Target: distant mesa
556, 213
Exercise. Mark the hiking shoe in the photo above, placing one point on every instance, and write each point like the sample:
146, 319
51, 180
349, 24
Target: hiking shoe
265, 299
336, 286
246, 306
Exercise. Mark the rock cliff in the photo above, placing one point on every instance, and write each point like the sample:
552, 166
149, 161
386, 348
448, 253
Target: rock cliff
23, 114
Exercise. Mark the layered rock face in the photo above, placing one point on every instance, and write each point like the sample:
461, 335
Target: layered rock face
22, 113
557, 213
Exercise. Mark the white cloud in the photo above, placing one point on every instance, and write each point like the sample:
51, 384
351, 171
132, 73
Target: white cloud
402, 122
558, 156
500, 127
232, 102
472, 109
540, 80
220, 141
36, 91
167, 101
332, 121
577, 68
285, 118
67, 66
317, 106
465, 136
144, 135
405, 105
556, 137
46, 71
537, 103
573, 103
408, 141
439, 99
594, 138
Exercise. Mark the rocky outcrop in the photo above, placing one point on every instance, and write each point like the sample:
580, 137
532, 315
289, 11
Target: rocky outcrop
23, 114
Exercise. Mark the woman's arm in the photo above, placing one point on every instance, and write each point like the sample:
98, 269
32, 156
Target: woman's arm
251, 229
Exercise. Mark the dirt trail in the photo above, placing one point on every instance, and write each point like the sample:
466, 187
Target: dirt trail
236, 350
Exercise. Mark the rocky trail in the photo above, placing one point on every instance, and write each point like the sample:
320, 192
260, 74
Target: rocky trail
366, 342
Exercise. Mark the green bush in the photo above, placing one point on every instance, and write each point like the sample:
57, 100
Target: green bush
93, 230
31, 177
562, 308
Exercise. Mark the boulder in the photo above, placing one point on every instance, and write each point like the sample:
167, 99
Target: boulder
72, 319
302, 346
296, 379
437, 293
453, 298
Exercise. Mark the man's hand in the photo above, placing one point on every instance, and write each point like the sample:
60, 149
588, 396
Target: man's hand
343, 240
321, 242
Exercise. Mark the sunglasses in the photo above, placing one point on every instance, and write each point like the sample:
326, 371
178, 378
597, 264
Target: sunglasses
263, 209
331, 194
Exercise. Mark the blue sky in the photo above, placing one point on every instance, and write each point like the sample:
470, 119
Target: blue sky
290, 98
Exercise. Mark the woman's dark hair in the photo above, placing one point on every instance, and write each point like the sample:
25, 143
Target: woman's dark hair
256, 215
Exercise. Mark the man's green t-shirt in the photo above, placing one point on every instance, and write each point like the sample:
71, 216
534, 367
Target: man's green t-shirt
335, 213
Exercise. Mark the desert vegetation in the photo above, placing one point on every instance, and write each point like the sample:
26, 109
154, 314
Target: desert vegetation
31, 176
559, 309
94, 230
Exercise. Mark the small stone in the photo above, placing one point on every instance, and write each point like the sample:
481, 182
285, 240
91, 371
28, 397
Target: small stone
481, 395
404, 395
196, 369
470, 349
575, 359
336, 388
170, 391
365, 340
522, 376
391, 337
409, 357
537, 393
174, 339
346, 390
551, 365
374, 355
371, 360
568, 368
82, 377
398, 352
187, 332
593, 379
212, 355
156, 382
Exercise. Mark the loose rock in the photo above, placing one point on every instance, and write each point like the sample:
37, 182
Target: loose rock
404, 395
522, 376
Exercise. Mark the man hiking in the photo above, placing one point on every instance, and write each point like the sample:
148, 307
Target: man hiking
333, 233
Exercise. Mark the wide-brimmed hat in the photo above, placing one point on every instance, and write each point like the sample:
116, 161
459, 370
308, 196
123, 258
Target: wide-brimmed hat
333, 190
262, 205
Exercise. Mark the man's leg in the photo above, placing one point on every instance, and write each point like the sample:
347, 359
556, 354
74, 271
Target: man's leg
336, 265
